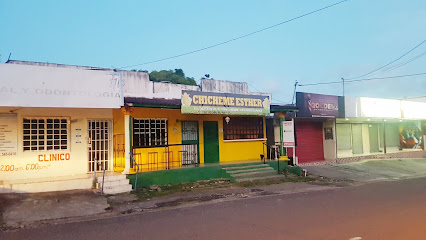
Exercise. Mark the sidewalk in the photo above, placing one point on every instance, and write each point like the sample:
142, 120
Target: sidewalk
372, 170
32, 210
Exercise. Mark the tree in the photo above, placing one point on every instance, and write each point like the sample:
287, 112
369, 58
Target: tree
176, 76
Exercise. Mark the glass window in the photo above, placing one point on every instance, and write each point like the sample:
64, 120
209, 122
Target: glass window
149, 132
243, 128
40, 134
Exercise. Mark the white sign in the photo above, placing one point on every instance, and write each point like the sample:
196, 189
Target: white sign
288, 134
8, 135
41, 86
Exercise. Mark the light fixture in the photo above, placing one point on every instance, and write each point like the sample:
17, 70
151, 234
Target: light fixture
368, 119
227, 119
385, 120
400, 120
347, 119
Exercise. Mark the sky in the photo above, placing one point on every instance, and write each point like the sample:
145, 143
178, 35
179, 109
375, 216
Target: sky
344, 41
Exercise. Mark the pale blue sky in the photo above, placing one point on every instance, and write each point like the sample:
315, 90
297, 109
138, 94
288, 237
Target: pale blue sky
347, 40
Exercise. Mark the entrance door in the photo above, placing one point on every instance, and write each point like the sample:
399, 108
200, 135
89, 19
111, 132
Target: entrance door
99, 133
357, 147
211, 142
189, 153
373, 131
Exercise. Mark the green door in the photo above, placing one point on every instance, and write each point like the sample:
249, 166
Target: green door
211, 142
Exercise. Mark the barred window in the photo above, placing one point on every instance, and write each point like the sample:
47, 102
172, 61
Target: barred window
41, 134
149, 132
243, 128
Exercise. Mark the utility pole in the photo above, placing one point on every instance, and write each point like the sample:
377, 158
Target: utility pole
294, 93
343, 83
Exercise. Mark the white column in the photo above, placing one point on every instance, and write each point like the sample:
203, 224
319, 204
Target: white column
127, 147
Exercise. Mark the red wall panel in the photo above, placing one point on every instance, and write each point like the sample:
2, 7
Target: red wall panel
309, 142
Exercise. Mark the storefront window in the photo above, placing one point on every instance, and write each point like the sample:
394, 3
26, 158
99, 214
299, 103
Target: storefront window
149, 132
243, 128
40, 134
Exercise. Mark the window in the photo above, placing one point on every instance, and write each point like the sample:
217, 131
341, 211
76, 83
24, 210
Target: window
41, 134
149, 132
243, 128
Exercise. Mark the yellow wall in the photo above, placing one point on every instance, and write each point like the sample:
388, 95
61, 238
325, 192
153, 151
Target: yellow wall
23, 163
229, 151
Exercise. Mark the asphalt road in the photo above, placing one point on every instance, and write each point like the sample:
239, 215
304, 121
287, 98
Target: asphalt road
388, 210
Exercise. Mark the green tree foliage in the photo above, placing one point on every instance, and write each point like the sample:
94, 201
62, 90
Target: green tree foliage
176, 76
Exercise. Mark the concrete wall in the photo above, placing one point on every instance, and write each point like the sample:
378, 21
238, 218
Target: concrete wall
137, 84
27, 164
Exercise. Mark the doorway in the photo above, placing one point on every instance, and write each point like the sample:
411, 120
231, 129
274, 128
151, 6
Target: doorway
211, 142
189, 153
99, 144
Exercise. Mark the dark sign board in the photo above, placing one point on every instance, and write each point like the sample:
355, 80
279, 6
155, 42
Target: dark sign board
196, 102
319, 105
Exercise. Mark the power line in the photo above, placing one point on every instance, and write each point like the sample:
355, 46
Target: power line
418, 45
405, 63
237, 38
360, 80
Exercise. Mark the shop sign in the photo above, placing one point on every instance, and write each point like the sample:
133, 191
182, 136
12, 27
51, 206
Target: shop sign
8, 135
288, 134
196, 102
318, 105
41, 86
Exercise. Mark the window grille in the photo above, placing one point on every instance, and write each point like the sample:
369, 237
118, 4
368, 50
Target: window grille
243, 128
149, 132
41, 134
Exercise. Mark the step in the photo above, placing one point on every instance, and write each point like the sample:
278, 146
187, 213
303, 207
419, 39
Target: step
247, 166
110, 178
254, 179
254, 173
48, 186
113, 183
118, 189
248, 170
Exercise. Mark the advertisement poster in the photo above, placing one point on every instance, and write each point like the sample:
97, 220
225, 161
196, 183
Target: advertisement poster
8, 135
196, 102
411, 136
288, 134
319, 105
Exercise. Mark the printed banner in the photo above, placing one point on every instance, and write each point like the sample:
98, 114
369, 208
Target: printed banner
196, 102
319, 105
288, 134
411, 136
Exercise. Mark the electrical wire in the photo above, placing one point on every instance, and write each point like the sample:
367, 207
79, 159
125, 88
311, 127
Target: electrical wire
418, 45
405, 63
237, 38
360, 80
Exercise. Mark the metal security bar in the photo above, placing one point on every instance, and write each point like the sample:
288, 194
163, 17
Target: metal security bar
99, 133
168, 157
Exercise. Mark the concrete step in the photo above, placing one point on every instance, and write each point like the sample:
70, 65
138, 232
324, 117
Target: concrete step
48, 186
118, 189
110, 177
255, 179
250, 170
253, 174
246, 166
113, 183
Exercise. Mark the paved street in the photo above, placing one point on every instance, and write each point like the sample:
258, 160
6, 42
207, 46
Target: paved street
372, 170
386, 210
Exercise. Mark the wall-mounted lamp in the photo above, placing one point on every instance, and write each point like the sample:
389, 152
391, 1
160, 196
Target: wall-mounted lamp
227, 120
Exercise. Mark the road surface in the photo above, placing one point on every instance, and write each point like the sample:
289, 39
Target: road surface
388, 210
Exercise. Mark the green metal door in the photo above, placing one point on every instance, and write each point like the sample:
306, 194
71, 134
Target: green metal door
211, 142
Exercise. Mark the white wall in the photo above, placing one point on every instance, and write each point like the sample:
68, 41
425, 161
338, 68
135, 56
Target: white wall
137, 84
23, 161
